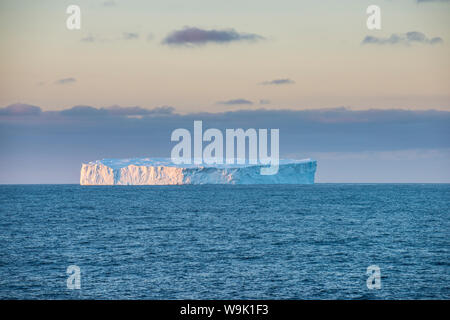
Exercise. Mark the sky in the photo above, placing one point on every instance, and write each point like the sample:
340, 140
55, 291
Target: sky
369, 105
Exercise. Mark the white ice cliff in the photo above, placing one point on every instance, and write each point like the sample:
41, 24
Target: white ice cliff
160, 171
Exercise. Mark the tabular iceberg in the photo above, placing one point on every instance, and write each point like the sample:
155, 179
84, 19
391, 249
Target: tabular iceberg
161, 171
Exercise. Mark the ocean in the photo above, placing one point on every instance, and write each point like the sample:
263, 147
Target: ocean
225, 242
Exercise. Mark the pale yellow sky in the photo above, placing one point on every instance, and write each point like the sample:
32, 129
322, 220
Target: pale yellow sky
317, 45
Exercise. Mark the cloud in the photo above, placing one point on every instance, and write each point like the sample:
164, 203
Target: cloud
66, 81
191, 36
83, 111
88, 38
130, 35
235, 102
109, 3
138, 111
422, 1
124, 36
51, 145
20, 109
404, 38
330, 130
88, 111
278, 82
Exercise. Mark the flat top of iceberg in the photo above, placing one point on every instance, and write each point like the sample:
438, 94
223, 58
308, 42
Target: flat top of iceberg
167, 162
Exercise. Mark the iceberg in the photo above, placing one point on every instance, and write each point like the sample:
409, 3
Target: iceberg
162, 171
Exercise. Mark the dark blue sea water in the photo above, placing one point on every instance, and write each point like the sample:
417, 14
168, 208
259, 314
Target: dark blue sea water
225, 242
